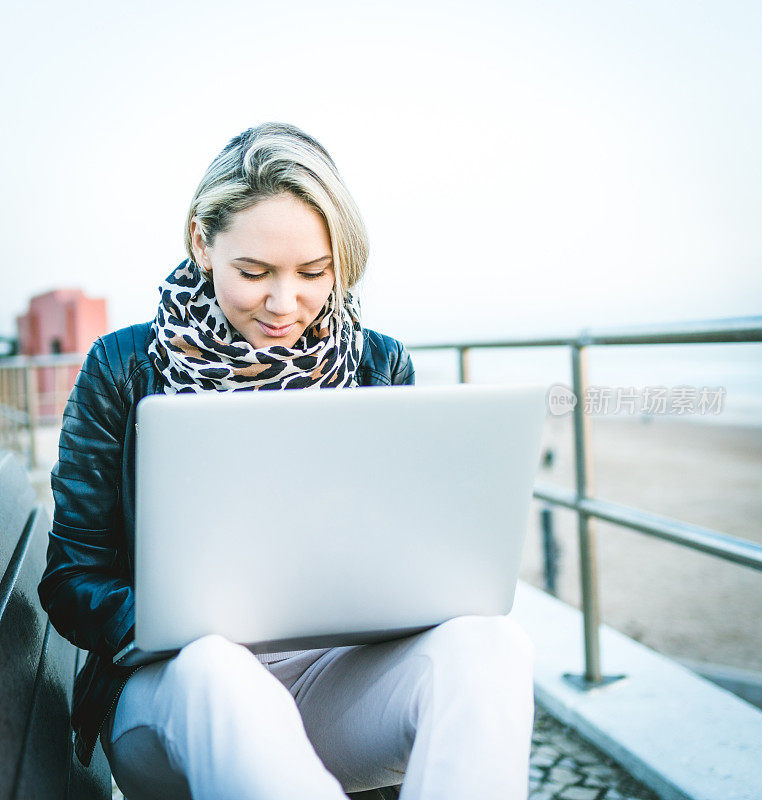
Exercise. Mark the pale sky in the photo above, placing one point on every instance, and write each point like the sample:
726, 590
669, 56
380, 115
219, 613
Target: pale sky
521, 166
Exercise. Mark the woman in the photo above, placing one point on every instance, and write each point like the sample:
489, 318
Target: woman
275, 244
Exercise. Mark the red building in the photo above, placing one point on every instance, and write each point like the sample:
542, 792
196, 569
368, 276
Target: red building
61, 321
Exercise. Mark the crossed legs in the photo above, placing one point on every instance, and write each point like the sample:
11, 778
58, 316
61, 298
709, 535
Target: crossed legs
450, 710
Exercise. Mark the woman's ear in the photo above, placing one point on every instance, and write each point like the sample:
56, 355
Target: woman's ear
199, 246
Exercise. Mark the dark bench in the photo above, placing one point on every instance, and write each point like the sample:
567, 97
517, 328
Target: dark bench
37, 665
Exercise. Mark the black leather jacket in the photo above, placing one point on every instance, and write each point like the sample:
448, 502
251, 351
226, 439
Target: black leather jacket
87, 586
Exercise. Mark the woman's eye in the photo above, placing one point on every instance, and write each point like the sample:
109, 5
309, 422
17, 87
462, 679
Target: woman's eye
255, 276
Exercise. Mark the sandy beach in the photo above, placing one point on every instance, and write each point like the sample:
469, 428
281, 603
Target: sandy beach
683, 603
678, 601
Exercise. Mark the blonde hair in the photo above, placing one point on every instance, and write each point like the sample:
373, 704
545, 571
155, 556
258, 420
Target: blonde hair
269, 160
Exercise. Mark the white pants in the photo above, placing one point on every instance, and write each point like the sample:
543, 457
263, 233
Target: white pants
450, 710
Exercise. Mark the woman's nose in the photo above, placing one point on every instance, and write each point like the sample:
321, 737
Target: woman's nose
282, 299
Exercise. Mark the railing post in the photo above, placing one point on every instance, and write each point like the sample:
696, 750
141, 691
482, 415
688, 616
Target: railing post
464, 365
3, 407
18, 380
30, 389
549, 550
587, 546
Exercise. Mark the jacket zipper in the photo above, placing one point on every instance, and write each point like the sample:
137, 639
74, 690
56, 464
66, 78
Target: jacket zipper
113, 703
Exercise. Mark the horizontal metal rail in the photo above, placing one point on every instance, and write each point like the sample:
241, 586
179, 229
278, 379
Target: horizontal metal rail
730, 548
722, 331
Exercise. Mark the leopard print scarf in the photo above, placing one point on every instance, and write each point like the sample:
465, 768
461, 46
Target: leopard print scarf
195, 348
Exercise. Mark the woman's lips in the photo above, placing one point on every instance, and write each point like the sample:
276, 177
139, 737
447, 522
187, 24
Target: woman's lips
276, 332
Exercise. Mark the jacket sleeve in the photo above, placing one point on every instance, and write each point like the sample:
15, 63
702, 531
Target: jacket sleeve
402, 370
83, 589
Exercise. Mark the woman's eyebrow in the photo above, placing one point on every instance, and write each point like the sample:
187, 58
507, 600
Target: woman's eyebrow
272, 266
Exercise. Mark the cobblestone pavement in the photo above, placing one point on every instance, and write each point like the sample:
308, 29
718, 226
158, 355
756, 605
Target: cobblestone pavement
564, 766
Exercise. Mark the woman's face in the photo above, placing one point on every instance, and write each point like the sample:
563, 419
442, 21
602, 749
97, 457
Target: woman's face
272, 269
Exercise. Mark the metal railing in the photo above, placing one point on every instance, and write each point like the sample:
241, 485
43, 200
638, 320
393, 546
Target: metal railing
587, 507
33, 393
34, 389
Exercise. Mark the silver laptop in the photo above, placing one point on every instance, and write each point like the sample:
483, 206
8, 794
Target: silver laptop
300, 519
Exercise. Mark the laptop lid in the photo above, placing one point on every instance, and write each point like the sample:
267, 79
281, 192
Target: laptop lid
285, 520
